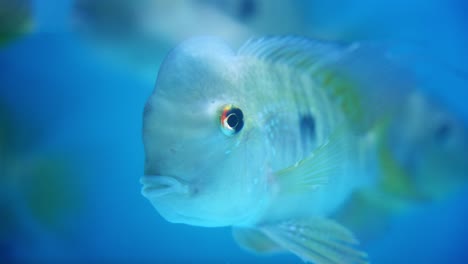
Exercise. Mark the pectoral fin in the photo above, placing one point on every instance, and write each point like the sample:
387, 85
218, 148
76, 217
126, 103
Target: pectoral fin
316, 240
254, 240
326, 162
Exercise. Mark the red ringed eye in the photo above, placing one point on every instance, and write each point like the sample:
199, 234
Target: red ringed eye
231, 120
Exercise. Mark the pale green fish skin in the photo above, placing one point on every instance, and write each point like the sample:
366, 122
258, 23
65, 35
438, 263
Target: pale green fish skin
253, 180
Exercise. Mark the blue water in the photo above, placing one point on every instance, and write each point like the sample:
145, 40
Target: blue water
89, 111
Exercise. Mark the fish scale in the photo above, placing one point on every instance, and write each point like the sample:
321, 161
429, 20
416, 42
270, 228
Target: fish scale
287, 97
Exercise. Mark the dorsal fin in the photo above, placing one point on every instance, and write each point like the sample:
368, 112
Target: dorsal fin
295, 51
359, 77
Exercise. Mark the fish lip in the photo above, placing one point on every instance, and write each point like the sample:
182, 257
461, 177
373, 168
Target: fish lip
155, 186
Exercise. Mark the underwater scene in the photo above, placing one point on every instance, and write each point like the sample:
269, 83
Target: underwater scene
233, 131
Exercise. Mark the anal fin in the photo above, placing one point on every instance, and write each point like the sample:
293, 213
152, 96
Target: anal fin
316, 240
254, 240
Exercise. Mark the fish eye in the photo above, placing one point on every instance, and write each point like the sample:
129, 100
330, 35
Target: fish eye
231, 120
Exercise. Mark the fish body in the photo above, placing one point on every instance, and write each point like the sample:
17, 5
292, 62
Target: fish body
277, 138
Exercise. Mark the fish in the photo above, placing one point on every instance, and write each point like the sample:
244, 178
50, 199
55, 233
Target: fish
139, 33
35, 186
295, 143
15, 20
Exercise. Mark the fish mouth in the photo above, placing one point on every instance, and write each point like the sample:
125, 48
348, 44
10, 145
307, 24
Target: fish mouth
155, 186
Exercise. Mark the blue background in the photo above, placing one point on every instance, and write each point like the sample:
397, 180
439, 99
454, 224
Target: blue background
80, 106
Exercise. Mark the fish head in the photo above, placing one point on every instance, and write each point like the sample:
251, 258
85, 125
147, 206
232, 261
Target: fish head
203, 156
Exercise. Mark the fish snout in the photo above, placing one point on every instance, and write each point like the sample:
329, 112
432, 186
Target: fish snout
155, 186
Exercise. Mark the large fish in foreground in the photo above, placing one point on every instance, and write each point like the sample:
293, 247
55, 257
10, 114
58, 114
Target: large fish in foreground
291, 140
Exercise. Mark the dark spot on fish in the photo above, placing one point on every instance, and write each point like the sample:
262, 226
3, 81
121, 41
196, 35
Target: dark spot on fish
240, 10
247, 9
442, 132
194, 191
307, 128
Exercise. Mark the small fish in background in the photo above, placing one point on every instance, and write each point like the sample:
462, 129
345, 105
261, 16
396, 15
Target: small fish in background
429, 36
15, 20
235, 21
297, 144
137, 34
37, 189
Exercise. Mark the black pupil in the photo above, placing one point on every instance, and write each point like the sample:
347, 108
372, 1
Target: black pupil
235, 119
232, 120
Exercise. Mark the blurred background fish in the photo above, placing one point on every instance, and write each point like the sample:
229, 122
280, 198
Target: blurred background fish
15, 19
76, 74
37, 185
141, 32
